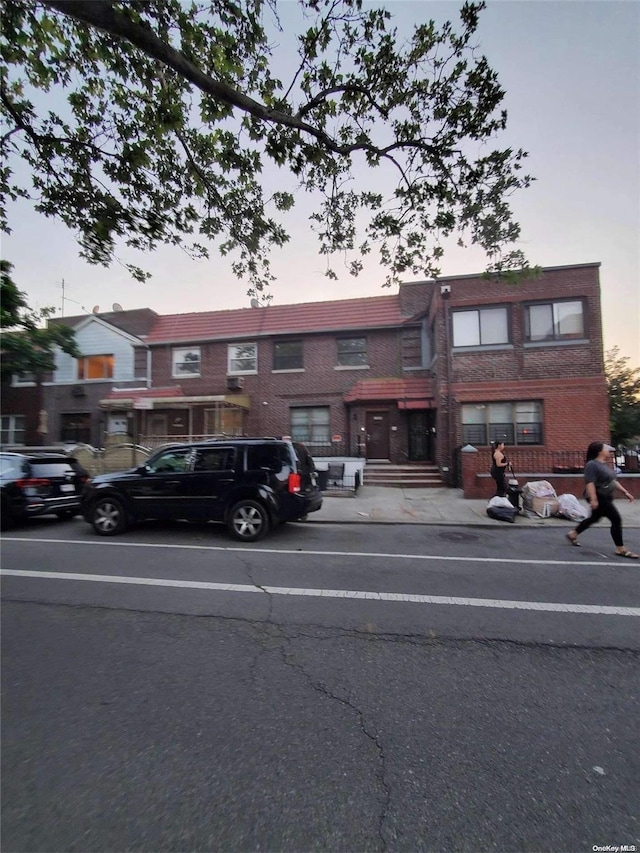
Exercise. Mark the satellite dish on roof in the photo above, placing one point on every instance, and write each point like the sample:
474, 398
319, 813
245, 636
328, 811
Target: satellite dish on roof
255, 303
95, 309
117, 307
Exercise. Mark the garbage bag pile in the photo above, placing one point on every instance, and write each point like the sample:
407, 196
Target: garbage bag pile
501, 509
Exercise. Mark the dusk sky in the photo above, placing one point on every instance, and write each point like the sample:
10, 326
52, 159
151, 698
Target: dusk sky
571, 71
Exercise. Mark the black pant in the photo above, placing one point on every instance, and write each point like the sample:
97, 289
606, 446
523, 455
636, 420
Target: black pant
498, 475
606, 509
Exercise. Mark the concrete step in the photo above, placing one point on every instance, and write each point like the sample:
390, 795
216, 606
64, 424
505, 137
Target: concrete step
407, 476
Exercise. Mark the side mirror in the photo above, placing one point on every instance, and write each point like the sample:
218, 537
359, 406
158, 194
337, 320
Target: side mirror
142, 469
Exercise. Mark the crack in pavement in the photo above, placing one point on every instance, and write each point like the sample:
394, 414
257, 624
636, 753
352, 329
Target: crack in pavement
320, 687
386, 637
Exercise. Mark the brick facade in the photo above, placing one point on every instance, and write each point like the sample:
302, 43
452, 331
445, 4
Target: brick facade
421, 375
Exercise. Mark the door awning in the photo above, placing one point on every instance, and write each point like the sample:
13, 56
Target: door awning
415, 404
404, 391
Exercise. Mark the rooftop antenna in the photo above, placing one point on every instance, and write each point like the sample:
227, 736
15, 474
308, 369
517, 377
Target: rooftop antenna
117, 307
66, 299
255, 303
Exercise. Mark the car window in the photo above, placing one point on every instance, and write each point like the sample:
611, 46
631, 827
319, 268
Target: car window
50, 469
305, 459
170, 462
214, 459
270, 456
10, 466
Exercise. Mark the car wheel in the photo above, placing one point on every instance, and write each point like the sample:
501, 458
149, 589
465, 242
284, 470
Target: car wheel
248, 521
108, 517
66, 514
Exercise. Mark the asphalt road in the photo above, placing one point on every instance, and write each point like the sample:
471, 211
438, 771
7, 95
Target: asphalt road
334, 688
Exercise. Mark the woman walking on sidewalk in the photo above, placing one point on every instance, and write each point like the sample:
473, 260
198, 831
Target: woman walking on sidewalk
601, 483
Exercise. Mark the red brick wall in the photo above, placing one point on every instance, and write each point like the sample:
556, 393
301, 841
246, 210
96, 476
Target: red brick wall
477, 484
568, 378
27, 401
320, 384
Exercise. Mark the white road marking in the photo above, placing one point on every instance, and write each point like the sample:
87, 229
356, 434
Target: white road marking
298, 553
590, 609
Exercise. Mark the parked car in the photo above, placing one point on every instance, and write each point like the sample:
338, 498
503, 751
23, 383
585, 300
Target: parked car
39, 484
249, 484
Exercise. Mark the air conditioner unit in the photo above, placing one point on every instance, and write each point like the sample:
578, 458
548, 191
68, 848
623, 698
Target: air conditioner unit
235, 383
78, 391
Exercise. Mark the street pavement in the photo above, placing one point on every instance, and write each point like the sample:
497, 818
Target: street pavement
388, 505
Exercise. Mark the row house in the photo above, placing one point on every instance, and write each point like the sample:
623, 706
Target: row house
64, 405
414, 376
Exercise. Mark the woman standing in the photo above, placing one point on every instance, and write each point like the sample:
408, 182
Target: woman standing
601, 483
499, 468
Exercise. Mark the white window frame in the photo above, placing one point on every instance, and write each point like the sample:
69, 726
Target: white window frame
478, 312
11, 425
17, 380
554, 305
178, 358
232, 359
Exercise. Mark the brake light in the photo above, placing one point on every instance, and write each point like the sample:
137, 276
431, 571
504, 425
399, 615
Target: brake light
294, 483
33, 483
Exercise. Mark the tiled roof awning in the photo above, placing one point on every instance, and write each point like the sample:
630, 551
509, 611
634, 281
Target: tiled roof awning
415, 404
410, 393
375, 312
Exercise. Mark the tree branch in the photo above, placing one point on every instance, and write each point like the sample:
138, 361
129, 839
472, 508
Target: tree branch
102, 15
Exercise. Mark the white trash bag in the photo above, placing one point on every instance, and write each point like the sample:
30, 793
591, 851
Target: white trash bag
571, 508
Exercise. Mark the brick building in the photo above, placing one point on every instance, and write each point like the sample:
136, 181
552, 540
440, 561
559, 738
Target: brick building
410, 377
406, 377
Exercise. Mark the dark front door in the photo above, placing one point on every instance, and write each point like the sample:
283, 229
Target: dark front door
377, 435
421, 435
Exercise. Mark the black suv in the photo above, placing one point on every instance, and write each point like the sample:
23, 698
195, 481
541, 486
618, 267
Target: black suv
39, 484
250, 484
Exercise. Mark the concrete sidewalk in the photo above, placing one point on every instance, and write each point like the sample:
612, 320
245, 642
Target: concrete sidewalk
382, 505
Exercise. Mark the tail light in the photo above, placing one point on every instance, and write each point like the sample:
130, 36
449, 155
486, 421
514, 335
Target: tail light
33, 483
294, 483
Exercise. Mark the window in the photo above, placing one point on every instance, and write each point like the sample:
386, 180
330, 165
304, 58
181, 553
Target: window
95, 367
170, 462
214, 459
25, 378
310, 424
266, 456
12, 429
185, 362
224, 420
287, 355
76, 427
553, 321
352, 352
480, 327
243, 358
513, 423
